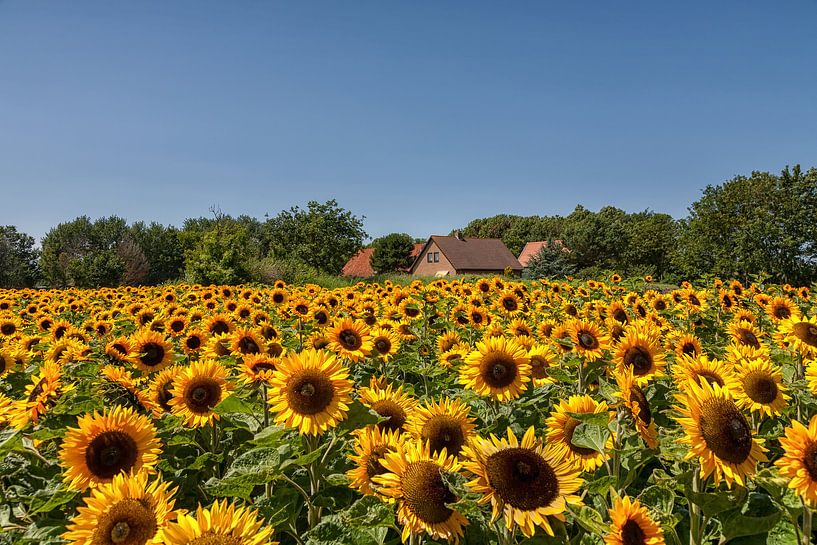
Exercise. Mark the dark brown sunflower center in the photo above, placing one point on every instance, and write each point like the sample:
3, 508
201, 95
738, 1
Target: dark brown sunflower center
810, 459
8, 329
278, 298
806, 332
202, 394
710, 377
640, 359
498, 370
219, 327
152, 354
164, 395
382, 345
509, 304
725, 430
425, 493
694, 300
395, 413
570, 428
177, 325
760, 387
263, 366
644, 413
538, 367
444, 432
110, 453
310, 392
689, 349
247, 345
127, 522
321, 317
193, 342
660, 305
522, 478
349, 339
748, 338
620, 316
632, 534
587, 340
301, 309
476, 317
781, 312
373, 465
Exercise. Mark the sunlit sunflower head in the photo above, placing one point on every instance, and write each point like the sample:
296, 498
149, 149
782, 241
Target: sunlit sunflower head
414, 477
218, 324
561, 427
6, 405
745, 333
718, 433
221, 524
687, 344
161, 388
218, 346
388, 402
760, 387
309, 391
448, 341
120, 388
498, 367
588, 341
385, 343
799, 460
9, 325
150, 351
196, 391
781, 308
370, 446
442, 424
541, 358
640, 350
7, 360
118, 349
105, 445
477, 316
258, 368
525, 482
125, 511
41, 393
636, 400
247, 342
700, 369
800, 334
350, 339
193, 341
631, 524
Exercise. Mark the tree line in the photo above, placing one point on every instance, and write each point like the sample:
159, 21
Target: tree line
762, 223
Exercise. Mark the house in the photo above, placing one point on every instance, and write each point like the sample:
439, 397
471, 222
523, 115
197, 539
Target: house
360, 265
444, 256
533, 248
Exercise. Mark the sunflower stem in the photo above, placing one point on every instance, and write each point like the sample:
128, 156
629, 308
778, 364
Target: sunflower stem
581, 376
264, 401
695, 530
806, 523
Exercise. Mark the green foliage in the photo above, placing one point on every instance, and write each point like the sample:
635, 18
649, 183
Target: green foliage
18, 259
163, 250
551, 261
324, 235
392, 253
220, 253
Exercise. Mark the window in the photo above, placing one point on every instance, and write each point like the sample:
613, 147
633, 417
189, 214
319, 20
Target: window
436, 257
429, 257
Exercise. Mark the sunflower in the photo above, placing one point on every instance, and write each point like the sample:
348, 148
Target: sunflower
219, 525
310, 391
258, 368
161, 389
718, 433
525, 483
350, 339
125, 511
631, 524
122, 387
118, 349
760, 387
104, 445
218, 324
217, 346
745, 333
370, 446
7, 361
245, 341
701, 369
541, 358
587, 339
414, 478
150, 351
781, 308
385, 343
687, 345
635, 400
799, 460
9, 325
477, 316
193, 341
639, 349
43, 391
800, 333
388, 402
443, 424
197, 390
499, 368
561, 427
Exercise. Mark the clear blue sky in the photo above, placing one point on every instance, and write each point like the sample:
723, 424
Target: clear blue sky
420, 115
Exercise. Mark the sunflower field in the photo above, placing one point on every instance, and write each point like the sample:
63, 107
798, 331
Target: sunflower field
487, 411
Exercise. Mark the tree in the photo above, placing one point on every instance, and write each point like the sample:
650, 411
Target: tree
162, 248
324, 236
551, 261
392, 253
18, 259
218, 250
83, 253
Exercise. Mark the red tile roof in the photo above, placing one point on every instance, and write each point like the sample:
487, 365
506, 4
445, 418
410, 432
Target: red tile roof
360, 265
533, 248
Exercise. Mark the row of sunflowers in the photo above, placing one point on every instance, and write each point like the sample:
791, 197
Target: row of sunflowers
492, 411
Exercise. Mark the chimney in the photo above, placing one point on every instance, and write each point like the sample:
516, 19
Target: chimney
458, 235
